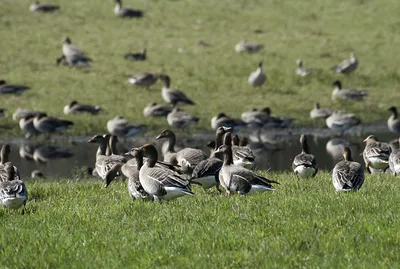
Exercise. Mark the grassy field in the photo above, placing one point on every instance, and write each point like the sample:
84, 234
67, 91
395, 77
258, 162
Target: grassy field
303, 224
321, 33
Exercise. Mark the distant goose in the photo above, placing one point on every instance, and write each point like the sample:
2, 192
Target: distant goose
173, 96
244, 46
276, 121
340, 121
139, 56
394, 121
126, 12
304, 164
221, 119
255, 117
22, 113
347, 94
301, 70
347, 175
12, 88
26, 125
74, 60
258, 77
347, 66
179, 119
394, 159
376, 154
156, 110
46, 124
37, 7
69, 49
45, 153
318, 112
123, 128
76, 108
13, 192
143, 79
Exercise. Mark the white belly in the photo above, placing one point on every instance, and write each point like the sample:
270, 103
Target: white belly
13, 202
304, 172
206, 182
258, 189
378, 163
172, 193
243, 163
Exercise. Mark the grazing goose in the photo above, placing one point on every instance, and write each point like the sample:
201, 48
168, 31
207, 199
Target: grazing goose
258, 77
347, 66
12, 88
347, 94
75, 108
144, 79
221, 119
304, 164
318, 112
156, 110
394, 159
173, 96
242, 156
160, 183
394, 121
244, 46
340, 121
239, 179
4, 155
301, 70
74, 60
45, 153
46, 124
139, 56
179, 119
26, 125
126, 12
13, 192
376, 154
347, 175
38, 7
122, 128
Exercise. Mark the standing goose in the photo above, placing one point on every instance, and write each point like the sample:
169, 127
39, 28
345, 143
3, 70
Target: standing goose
144, 79
347, 175
239, 179
221, 119
376, 154
394, 121
347, 66
244, 46
46, 124
74, 60
179, 119
173, 96
126, 12
12, 88
318, 112
76, 108
4, 155
301, 70
304, 164
26, 125
156, 110
394, 159
139, 56
257, 78
38, 7
242, 155
72, 54
13, 192
340, 121
347, 94
160, 183
122, 128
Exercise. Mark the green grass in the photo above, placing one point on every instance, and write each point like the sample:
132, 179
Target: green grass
303, 224
321, 33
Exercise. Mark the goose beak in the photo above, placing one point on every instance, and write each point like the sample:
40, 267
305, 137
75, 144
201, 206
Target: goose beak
159, 137
227, 129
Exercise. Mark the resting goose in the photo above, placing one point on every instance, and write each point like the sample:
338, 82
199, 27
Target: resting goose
276, 121
38, 7
160, 183
173, 96
139, 56
394, 160
347, 94
26, 125
340, 121
13, 192
394, 121
179, 119
301, 70
347, 66
376, 154
12, 88
126, 12
304, 164
318, 112
45, 124
76, 108
244, 46
122, 128
22, 113
242, 155
156, 110
221, 119
144, 79
347, 175
258, 77
4, 155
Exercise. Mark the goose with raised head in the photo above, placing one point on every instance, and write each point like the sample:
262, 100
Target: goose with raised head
394, 158
301, 70
347, 175
156, 110
126, 12
144, 79
242, 156
347, 66
26, 125
376, 154
347, 94
13, 192
4, 155
72, 54
70, 49
244, 46
179, 119
160, 183
394, 122
121, 127
258, 77
304, 164
76, 108
221, 119
171, 95
22, 113
38, 7
46, 124
340, 121
12, 88
138, 56
320, 113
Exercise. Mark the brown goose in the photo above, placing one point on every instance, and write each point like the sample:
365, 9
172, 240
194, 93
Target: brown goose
318, 112
180, 119
242, 155
13, 192
304, 164
4, 155
123, 128
45, 124
347, 175
156, 110
376, 154
221, 119
173, 96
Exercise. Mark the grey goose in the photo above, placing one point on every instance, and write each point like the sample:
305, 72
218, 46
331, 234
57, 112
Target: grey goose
4, 155
304, 164
13, 192
139, 56
74, 107
258, 77
376, 154
156, 110
244, 46
340, 121
178, 118
394, 122
73, 55
242, 155
301, 70
320, 113
121, 127
221, 119
394, 159
26, 125
347, 94
46, 124
347, 175
347, 66
38, 7
12, 88
171, 95
126, 12
144, 79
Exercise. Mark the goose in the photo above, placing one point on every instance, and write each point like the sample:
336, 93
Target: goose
394, 121
304, 164
255, 117
394, 159
76, 108
126, 12
4, 155
186, 158
38, 7
347, 94
26, 125
179, 119
340, 121
156, 110
376, 154
46, 124
144, 79
74, 60
244, 46
22, 113
242, 156
173, 96
12, 88
139, 56
318, 112
258, 77
45, 153
160, 183
276, 121
301, 70
347, 66
239, 179
13, 192
347, 175
221, 119
123, 128
69, 49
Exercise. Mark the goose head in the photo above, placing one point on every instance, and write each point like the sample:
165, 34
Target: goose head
66, 40
316, 105
337, 84
235, 140
393, 110
165, 134
225, 149
299, 63
347, 154
5, 151
149, 151
135, 152
370, 138
98, 139
243, 141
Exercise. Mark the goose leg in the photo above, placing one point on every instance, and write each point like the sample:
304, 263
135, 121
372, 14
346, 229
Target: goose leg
367, 167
